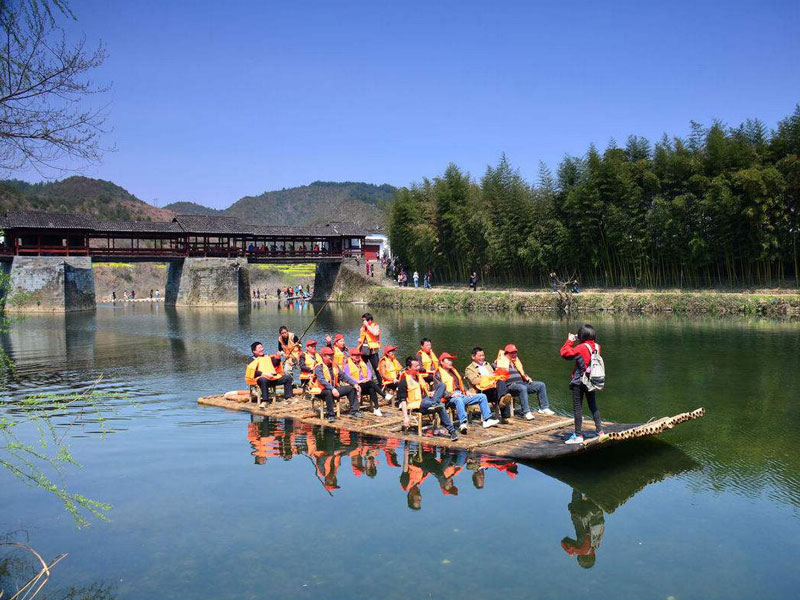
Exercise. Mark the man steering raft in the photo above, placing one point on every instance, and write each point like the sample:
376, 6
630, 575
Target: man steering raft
267, 372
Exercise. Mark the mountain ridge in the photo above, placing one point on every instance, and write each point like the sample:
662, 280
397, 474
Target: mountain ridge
319, 202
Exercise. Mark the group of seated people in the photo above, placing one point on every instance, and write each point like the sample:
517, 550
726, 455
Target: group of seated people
425, 382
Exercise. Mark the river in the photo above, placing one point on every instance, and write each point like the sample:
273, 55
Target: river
209, 503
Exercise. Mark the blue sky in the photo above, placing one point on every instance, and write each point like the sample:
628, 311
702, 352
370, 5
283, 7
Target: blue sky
211, 101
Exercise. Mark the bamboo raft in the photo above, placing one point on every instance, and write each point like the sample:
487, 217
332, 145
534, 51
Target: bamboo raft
540, 439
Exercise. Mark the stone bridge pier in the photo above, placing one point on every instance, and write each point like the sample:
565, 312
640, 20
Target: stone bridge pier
208, 282
50, 284
66, 284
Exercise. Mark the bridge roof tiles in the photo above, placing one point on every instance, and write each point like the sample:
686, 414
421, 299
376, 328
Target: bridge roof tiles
47, 220
195, 224
138, 227
212, 224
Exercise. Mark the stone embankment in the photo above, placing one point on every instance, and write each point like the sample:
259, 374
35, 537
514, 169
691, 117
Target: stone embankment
353, 286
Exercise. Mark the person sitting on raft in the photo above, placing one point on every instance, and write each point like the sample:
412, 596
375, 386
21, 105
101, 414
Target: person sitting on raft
308, 360
326, 383
580, 347
481, 377
390, 371
519, 384
427, 359
361, 372
457, 397
266, 372
413, 392
340, 351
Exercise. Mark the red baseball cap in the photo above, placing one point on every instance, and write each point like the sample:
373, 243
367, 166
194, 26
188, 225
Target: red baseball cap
355, 352
311, 343
326, 351
338, 337
389, 349
444, 355
510, 348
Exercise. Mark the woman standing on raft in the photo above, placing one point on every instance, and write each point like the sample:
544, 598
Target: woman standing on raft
580, 347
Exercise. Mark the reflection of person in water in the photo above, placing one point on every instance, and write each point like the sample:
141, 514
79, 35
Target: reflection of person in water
481, 464
590, 526
424, 462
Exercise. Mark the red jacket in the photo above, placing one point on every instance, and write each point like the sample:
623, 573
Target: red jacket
583, 357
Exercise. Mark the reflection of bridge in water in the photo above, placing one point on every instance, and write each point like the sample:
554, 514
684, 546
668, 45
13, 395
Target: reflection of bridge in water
600, 484
49, 255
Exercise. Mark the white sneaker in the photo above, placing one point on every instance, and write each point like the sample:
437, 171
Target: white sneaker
546, 411
491, 422
377, 412
261, 405
529, 416
388, 396
463, 428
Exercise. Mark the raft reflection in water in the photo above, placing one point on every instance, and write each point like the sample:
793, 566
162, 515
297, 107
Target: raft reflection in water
599, 484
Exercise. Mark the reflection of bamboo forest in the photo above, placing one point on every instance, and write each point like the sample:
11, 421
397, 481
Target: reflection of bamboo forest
720, 207
414, 464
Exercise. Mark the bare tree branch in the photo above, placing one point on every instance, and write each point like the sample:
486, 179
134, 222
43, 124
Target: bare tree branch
44, 87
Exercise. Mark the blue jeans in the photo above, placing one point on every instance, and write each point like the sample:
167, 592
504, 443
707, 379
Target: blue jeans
523, 388
461, 402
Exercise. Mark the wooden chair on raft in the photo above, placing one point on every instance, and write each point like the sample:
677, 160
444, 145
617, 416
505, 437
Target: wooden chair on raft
433, 417
316, 399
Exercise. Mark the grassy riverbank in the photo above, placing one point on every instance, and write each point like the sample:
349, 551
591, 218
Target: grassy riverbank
690, 303
769, 303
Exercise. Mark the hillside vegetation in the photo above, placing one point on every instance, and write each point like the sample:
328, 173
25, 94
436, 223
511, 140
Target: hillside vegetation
317, 203
82, 195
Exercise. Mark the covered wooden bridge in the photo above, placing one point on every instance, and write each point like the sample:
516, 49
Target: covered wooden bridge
62, 234
49, 256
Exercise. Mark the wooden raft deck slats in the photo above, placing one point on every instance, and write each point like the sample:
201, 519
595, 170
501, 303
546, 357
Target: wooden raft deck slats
538, 440
524, 433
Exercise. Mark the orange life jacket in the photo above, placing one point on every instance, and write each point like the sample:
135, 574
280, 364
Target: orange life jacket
503, 363
331, 375
310, 363
416, 387
450, 382
389, 369
358, 371
415, 477
263, 364
289, 348
429, 361
339, 356
366, 337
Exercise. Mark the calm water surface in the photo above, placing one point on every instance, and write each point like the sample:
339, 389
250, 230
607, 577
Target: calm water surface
209, 503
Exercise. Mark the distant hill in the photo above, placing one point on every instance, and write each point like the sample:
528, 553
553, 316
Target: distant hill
322, 201
102, 199
364, 204
192, 208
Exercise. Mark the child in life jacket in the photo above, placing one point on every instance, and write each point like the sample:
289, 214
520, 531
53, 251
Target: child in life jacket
580, 347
